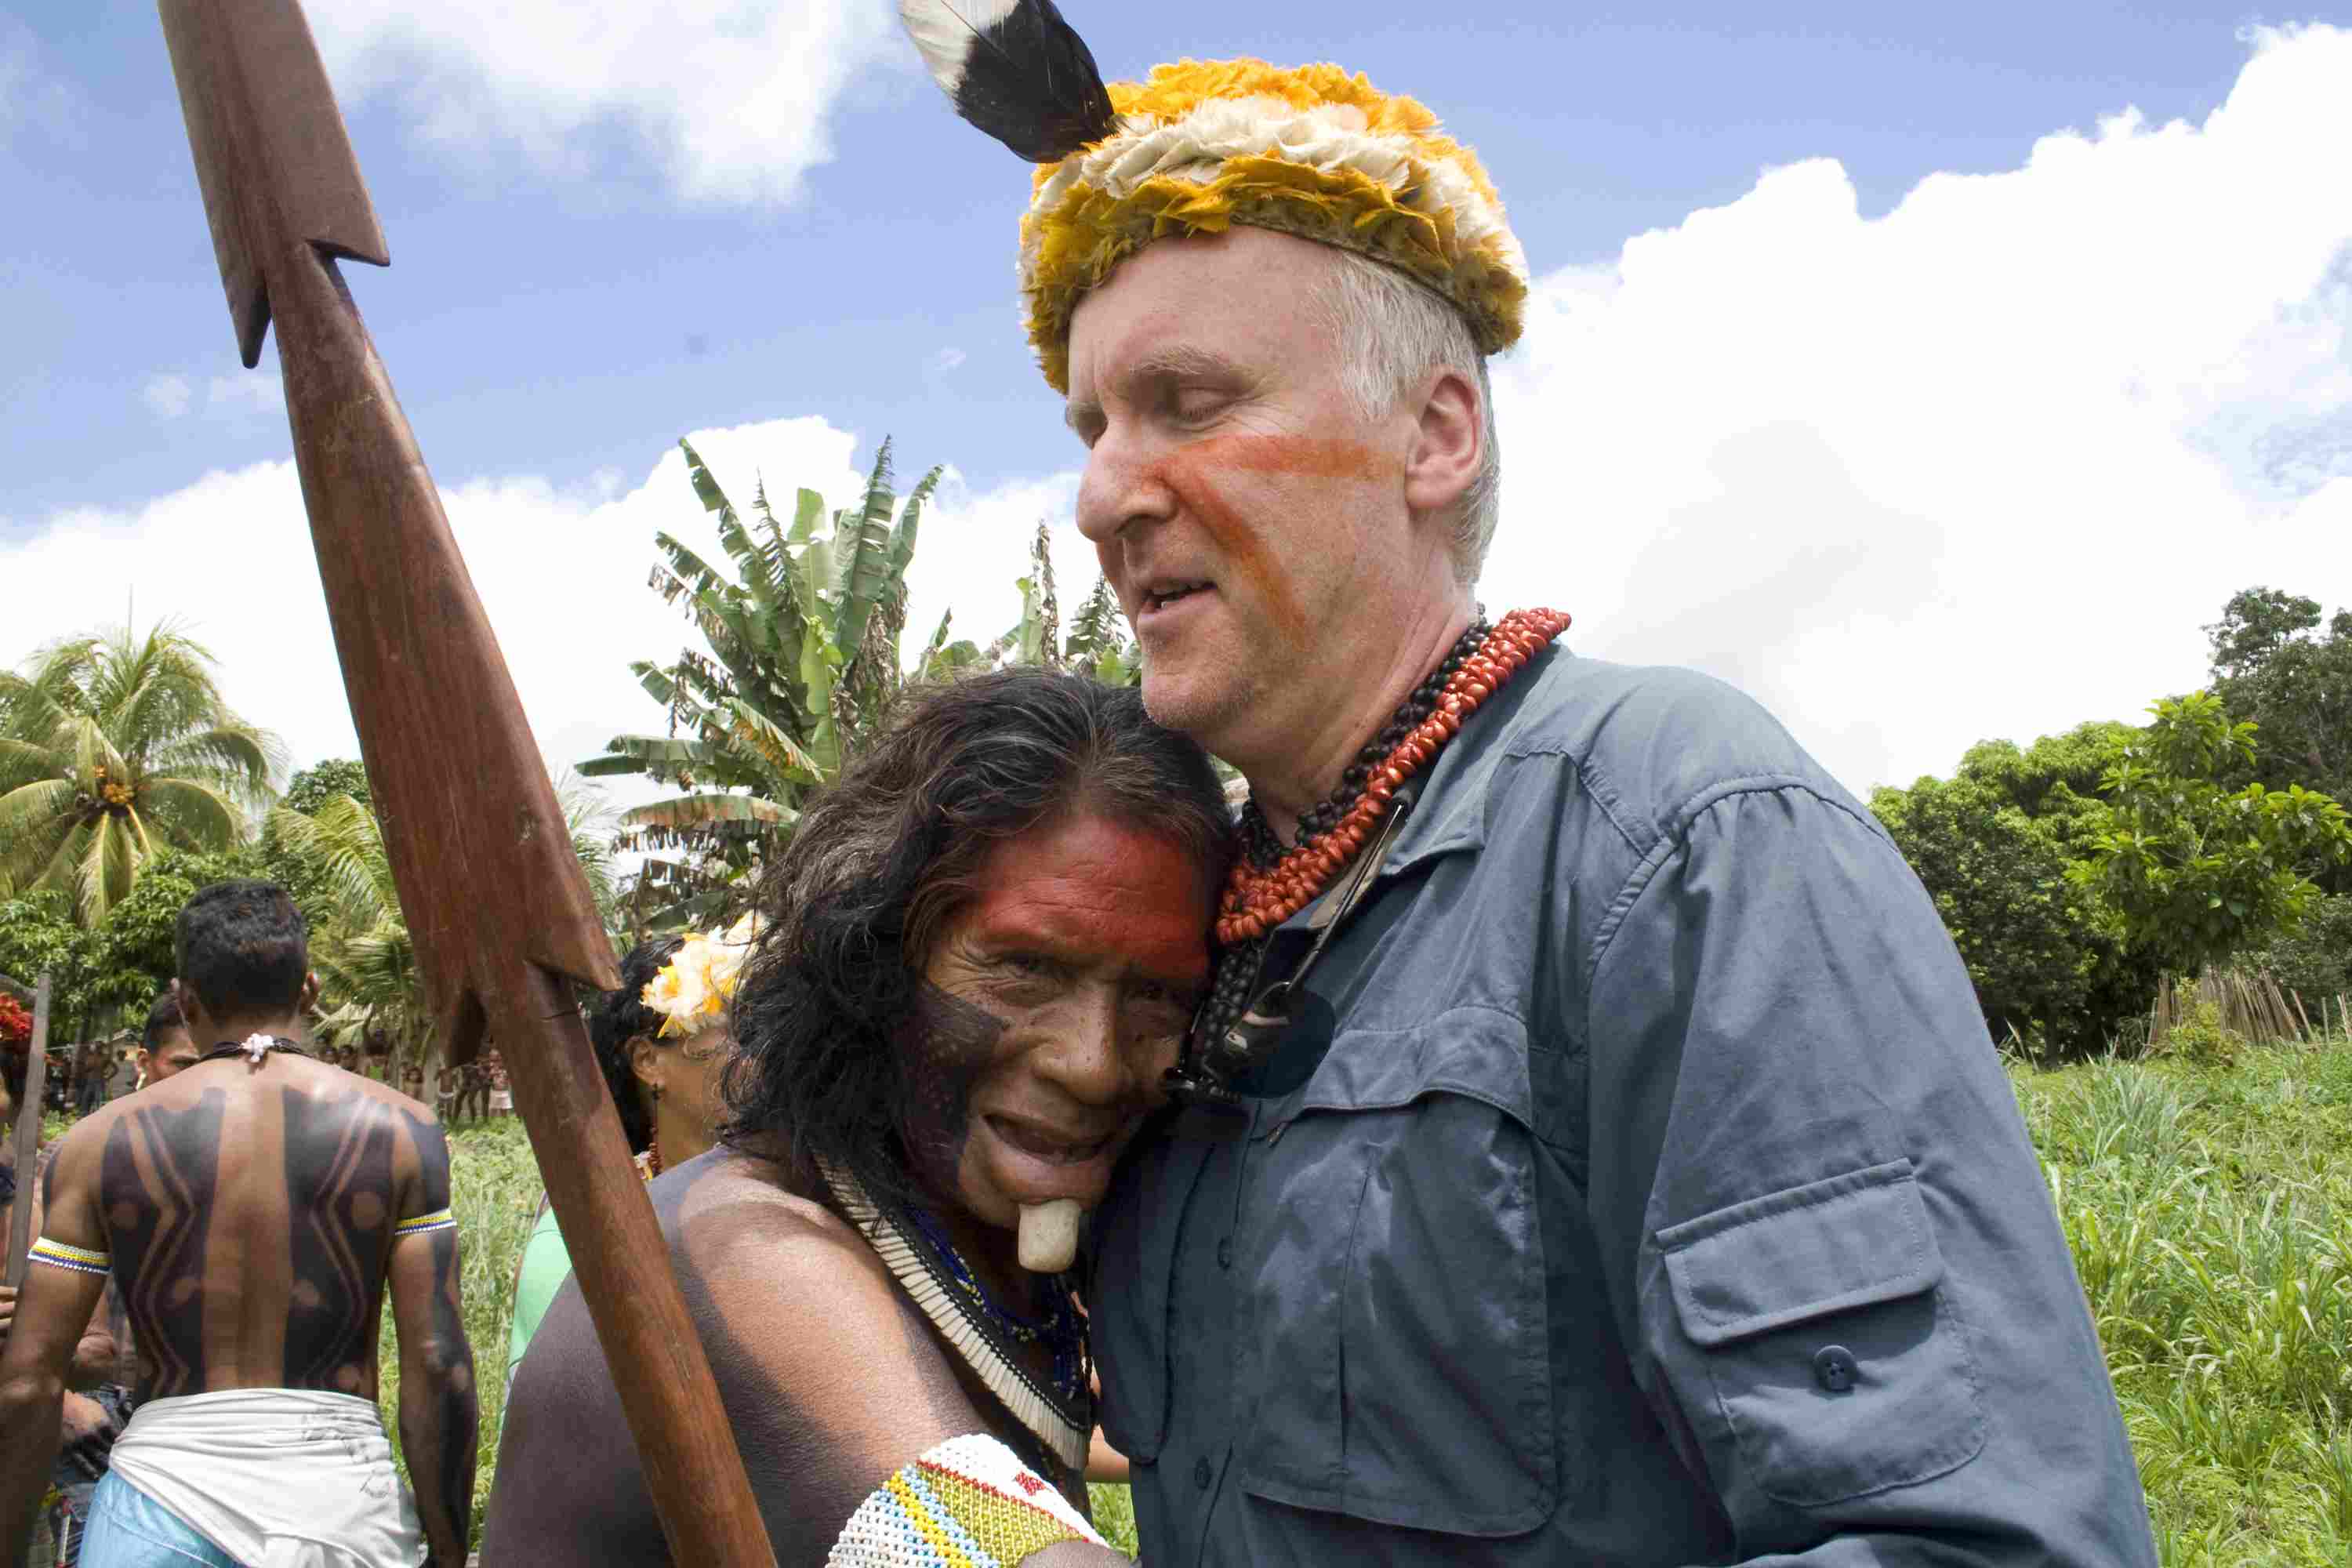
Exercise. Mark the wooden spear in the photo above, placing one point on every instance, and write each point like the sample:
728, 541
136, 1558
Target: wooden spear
496, 902
29, 1135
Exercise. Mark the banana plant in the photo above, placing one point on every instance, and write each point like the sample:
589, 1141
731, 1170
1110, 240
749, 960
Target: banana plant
802, 629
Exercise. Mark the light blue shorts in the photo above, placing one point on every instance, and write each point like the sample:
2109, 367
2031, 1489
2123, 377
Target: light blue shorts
128, 1529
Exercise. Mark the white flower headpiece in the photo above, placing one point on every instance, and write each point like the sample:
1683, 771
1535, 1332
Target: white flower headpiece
693, 989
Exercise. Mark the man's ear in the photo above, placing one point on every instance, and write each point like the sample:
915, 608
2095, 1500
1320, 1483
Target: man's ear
192, 1011
1444, 461
309, 992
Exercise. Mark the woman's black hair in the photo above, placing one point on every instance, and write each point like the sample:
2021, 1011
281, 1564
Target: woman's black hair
881, 860
621, 1017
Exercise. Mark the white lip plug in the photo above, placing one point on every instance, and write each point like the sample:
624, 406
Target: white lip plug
1049, 1236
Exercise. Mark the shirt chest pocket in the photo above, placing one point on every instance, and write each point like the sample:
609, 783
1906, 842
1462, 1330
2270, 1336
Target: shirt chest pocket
1825, 1337
1394, 1358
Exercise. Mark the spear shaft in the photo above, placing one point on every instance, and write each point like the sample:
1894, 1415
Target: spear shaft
497, 905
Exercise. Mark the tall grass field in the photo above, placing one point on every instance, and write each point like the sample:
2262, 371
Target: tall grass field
2208, 1198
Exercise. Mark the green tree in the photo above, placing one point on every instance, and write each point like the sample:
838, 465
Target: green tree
114, 748
132, 953
312, 787
802, 634
37, 933
369, 981
2275, 666
2197, 871
1992, 844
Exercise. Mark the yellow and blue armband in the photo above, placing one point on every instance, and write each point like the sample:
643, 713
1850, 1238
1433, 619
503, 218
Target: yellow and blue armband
968, 1503
73, 1259
421, 1225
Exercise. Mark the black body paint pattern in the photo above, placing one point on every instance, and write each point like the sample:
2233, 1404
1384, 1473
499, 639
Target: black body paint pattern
155, 1218
454, 1426
948, 1045
341, 1201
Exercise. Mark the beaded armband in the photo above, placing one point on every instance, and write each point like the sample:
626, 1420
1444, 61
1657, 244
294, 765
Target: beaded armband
73, 1259
439, 1219
968, 1503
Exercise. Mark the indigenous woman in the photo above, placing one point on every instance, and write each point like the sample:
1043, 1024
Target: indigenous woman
661, 1041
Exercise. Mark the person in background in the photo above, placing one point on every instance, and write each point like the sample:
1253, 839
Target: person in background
166, 1045
663, 1071
254, 1208
95, 1416
91, 1062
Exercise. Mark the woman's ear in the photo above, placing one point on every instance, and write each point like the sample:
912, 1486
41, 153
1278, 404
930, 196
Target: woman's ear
648, 1062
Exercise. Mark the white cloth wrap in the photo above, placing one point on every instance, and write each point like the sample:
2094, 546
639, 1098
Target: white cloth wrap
277, 1478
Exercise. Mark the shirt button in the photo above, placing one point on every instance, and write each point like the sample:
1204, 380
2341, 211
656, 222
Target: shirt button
1201, 1474
1835, 1369
1224, 1252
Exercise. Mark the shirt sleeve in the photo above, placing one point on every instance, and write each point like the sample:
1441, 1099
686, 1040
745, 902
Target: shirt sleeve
546, 1265
1826, 1235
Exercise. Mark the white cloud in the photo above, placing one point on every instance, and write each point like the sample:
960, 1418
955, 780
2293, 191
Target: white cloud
1978, 467
252, 400
166, 396
728, 98
245, 395
561, 570
946, 360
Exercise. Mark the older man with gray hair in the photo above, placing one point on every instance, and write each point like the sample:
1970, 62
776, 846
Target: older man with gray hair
1591, 1151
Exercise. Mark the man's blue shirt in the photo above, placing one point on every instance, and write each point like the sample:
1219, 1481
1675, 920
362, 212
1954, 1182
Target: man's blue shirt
1638, 1187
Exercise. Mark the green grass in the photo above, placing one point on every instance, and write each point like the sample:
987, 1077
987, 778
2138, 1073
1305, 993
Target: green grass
2210, 1210
2208, 1205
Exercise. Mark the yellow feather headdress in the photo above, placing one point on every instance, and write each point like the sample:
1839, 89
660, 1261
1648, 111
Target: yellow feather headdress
1200, 145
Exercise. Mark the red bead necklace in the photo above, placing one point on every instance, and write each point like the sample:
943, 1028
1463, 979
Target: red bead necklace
1255, 901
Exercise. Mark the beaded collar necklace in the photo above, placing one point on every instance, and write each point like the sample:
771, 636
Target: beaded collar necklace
1061, 1330
1269, 884
1062, 1425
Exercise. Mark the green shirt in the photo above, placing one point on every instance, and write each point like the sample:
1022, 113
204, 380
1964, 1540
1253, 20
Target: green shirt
546, 1265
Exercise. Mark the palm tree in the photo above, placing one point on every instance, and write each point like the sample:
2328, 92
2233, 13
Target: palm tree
369, 983
114, 748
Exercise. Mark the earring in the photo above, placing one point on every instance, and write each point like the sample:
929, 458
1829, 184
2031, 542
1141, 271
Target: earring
657, 1094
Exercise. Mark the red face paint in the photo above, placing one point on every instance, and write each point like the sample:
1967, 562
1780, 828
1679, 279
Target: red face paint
1056, 998
1192, 473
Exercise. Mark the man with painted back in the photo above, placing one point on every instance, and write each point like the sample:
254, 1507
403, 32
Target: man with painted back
254, 1208
1625, 1174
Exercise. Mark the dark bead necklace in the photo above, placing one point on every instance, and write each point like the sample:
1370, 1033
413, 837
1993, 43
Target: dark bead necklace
1274, 882
1238, 966
1258, 841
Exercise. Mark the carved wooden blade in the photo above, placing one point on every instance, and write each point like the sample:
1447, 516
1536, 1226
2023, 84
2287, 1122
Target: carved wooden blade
266, 134
495, 901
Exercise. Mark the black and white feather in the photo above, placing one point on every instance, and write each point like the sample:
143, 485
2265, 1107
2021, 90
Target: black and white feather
1015, 69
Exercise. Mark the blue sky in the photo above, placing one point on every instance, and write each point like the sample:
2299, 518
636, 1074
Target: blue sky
1972, 335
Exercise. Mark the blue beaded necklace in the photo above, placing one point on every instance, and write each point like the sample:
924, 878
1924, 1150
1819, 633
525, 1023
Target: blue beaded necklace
1062, 1329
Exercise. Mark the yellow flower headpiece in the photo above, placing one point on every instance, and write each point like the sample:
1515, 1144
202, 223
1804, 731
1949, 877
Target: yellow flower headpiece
1200, 145
693, 989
